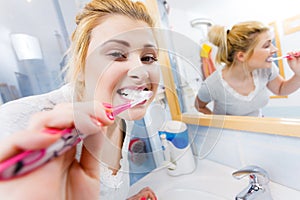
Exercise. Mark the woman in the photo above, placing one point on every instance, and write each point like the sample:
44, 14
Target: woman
113, 55
241, 87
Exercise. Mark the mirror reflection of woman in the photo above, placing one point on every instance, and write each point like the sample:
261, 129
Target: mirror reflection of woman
113, 53
242, 86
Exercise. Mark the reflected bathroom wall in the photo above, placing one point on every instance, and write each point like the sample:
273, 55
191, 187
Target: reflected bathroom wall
227, 13
44, 34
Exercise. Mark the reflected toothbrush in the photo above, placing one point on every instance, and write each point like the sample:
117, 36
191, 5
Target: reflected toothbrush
271, 59
29, 160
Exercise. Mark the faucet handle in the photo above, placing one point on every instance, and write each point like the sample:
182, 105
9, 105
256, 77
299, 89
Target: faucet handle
256, 174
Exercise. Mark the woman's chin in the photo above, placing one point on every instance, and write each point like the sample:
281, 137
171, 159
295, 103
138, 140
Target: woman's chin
269, 65
133, 114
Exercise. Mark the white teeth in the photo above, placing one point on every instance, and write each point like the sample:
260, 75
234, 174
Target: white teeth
130, 94
270, 59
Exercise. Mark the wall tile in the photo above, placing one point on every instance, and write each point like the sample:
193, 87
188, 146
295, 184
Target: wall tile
278, 155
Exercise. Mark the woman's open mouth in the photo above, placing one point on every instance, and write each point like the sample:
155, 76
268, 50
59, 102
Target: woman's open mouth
130, 94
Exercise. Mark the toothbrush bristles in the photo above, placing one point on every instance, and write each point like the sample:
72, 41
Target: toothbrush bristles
142, 96
279, 58
139, 98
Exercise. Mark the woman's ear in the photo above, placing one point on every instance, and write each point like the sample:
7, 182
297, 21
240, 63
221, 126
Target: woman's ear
240, 56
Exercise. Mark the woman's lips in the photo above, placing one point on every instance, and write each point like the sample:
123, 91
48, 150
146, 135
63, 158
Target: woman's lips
143, 102
131, 93
269, 59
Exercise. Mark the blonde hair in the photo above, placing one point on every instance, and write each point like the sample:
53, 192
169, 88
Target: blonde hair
241, 38
86, 21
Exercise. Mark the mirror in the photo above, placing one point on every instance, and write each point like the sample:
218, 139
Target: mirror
284, 18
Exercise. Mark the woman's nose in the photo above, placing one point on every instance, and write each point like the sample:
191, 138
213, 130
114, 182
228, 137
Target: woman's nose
138, 74
274, 49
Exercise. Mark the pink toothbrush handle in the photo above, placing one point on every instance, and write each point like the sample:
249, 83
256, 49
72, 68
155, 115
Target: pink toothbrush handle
31, 159
118, 109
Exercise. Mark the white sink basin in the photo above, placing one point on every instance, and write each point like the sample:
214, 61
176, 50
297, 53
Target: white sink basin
190, 194
210, 181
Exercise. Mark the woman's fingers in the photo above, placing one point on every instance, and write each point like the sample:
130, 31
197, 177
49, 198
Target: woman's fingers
90, 160
96, 111
296, 54
60, 117
294, 62
25, 140
90, 118
144, 194
87, 117
148, 193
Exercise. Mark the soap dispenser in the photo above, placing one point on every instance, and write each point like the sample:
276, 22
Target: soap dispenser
178, 155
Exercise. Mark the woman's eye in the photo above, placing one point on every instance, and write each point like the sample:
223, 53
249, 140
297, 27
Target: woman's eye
118, 55
267, 45
149, 59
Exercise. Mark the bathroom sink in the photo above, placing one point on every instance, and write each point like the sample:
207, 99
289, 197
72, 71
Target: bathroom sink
190, 194
210, 181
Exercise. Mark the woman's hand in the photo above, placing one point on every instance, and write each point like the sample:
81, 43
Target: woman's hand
201, 106
144, 194
63, 177
294, 62
279, 86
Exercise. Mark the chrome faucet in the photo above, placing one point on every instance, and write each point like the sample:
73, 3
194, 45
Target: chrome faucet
258, 184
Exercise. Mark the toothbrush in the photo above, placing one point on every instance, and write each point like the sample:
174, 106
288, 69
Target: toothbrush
29, 160
139, 98
278, 58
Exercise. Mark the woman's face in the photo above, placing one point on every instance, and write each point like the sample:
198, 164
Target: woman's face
262, 52
121, 60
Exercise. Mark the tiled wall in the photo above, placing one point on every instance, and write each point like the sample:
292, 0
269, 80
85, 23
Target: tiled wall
278, 155
282, 111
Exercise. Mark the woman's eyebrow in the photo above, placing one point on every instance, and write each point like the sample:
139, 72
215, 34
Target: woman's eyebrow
117, 41
150, 46
268, 42
122, 42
